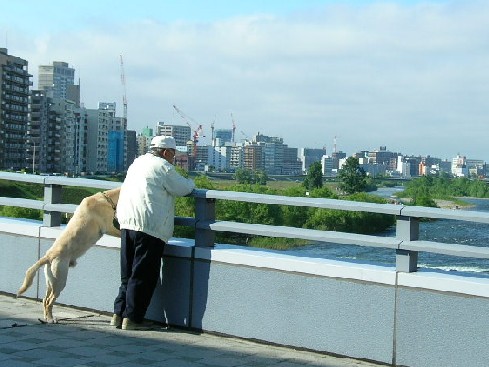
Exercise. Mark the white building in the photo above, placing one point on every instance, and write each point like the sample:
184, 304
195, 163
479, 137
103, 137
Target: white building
219, 157
181, 133
459, 166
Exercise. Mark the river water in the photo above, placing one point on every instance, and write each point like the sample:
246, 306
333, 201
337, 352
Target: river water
442, 230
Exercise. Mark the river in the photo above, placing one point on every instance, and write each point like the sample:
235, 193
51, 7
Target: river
442, 230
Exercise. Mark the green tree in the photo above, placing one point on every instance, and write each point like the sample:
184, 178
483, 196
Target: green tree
243, 176
247, 176
314, 178
260, 177
203, 182
352, 177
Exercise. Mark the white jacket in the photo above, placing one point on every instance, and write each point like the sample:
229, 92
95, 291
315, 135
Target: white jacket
147, 198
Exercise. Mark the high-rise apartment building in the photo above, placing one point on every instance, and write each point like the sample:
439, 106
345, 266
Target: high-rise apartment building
98, 131
116, 140
44, 133
236, 157
58, 80
107, 150
14, 110
38, 117
253, 157
58, 127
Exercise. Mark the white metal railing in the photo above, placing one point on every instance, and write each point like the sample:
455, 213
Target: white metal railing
405, 243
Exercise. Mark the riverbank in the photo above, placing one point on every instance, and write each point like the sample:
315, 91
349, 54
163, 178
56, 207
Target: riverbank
446, 204
449, 204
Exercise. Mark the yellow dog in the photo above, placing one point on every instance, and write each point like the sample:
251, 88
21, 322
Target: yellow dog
94, 217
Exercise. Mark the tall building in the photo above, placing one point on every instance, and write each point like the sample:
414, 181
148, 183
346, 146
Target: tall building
253, 157
273, 157
292, 164
14, 110
181, 133
336, 156
99, 121
327, 164
116, 141
219, 157
56, 135
131, 147
39, 105
459, 166
223, 136
115, 151
383, 156
46, 128
76, 142
236, 157
58, 80
310, 155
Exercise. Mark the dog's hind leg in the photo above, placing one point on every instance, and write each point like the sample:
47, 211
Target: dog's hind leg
48, 315
56, 276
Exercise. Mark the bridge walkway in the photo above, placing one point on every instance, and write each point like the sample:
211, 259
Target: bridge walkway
84, 338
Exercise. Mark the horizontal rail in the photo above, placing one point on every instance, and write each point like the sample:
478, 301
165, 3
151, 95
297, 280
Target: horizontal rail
23, 203
301, 233
298, 201
59, 180
439, 213
451, 249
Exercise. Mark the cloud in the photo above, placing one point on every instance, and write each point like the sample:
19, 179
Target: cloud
412, 77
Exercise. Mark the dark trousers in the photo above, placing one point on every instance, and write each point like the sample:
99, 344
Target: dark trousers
141, 256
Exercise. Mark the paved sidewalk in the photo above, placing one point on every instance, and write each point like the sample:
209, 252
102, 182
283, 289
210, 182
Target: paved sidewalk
84, 338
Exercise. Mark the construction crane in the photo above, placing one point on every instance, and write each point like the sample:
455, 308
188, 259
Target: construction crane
334, 144
197, 128
212, 133
247, 138
124, 98
234, 126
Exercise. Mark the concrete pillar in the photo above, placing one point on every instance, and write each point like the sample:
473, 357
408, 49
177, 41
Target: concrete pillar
407, 229
205, 212
52, 195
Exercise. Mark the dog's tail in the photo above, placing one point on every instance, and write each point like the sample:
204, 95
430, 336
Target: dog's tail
30, 273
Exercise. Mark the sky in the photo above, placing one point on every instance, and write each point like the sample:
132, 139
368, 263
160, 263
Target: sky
347, 75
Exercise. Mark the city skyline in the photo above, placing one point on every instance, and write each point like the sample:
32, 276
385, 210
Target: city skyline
406, 74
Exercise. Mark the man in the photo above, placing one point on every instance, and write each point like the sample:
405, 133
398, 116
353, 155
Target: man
146, 212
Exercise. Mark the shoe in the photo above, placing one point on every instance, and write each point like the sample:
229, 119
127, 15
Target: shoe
116, 321
128, 324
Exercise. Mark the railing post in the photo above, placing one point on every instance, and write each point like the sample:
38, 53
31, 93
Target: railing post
52, 195
205, 211
407, 229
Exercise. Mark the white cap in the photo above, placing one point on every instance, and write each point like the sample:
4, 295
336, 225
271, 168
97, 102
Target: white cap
164, 142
